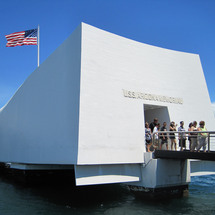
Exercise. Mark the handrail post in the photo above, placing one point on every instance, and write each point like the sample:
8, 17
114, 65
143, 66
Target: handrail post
181, 141
208, 142
153, 139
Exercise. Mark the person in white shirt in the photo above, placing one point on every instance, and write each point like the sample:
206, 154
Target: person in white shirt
156, 136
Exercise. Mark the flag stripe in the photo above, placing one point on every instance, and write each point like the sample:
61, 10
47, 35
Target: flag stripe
15, 34
15, 40
22, 38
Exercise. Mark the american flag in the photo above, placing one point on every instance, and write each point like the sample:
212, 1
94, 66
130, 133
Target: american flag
21, 38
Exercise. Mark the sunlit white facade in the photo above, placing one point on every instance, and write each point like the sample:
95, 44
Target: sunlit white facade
86, 105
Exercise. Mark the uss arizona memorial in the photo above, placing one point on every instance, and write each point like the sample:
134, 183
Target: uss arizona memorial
85, 109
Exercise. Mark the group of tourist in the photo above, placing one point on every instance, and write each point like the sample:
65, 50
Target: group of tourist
157, 136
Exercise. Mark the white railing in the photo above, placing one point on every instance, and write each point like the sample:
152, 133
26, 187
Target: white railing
179, 135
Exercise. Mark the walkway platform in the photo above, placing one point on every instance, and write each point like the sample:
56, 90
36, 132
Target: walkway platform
182, 155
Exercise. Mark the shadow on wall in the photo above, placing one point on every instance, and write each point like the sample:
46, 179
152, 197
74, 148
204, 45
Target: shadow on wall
154, 111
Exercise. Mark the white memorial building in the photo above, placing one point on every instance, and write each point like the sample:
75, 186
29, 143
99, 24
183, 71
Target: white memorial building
87, 104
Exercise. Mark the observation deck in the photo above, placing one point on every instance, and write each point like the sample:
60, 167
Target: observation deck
183, 155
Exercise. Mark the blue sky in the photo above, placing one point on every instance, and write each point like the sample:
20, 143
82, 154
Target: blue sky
181, 25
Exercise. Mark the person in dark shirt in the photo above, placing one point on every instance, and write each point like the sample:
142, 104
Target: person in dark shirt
148, 137
182, 136
172, 128
189, 135
193, 137
153, 124
163, 136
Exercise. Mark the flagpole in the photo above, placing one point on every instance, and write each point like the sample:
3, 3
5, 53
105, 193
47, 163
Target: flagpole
38, 46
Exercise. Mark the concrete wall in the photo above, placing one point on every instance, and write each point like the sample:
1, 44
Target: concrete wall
161, 173
40, 122
112, 125
73, 109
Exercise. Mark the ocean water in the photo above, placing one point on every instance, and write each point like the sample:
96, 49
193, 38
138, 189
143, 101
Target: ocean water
20, 199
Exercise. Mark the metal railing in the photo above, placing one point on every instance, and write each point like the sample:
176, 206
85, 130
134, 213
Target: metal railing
184, 134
